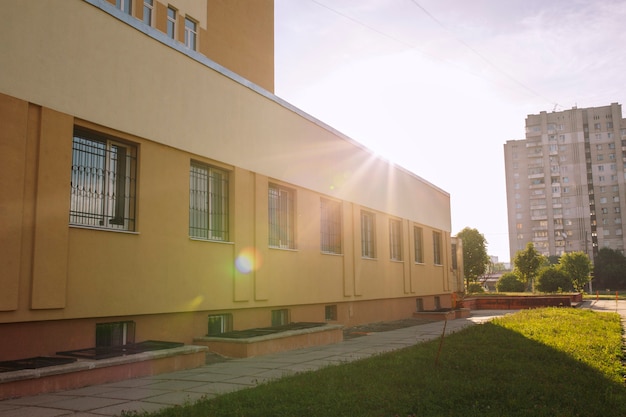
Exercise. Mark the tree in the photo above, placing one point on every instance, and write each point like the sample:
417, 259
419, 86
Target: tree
577, 266
475, 258
553, 259
553, 279
527, 263
609, 269
510, 282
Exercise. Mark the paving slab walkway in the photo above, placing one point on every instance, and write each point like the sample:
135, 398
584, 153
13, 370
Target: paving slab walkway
165, 390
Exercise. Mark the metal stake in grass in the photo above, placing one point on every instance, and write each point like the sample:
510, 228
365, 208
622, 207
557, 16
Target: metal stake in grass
441, 342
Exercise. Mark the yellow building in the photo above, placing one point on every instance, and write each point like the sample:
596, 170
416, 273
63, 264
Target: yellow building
151, 183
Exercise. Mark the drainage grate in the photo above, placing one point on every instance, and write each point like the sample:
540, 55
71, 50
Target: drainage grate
115, 351
33, 363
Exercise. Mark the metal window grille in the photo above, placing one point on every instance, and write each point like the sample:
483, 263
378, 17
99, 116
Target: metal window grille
281, 217
103, 182
437, 248
191, 34
208, 202
330, 226
395, 240
455, 263
368, 235
418, 237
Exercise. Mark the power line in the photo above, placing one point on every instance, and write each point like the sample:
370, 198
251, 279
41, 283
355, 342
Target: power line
481, 56
415, 48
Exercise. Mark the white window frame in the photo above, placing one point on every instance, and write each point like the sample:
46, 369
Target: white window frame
148, 12
171, 22
191, 33
125, 5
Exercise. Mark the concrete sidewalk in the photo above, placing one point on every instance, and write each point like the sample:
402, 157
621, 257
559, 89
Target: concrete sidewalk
165, 390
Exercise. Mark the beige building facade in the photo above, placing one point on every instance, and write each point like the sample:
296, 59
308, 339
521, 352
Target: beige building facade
154, 188
566, 182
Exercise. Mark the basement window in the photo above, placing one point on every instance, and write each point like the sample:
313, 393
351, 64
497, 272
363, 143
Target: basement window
331, 312
419, 304
437, 303
220, 323
280, 317
115, 334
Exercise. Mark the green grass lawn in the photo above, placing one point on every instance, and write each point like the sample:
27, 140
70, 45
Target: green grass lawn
543, 362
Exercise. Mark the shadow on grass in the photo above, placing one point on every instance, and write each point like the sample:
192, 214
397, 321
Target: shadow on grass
485, 370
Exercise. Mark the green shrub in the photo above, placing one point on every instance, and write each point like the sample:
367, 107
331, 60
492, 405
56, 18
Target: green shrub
553, 279
510, 282
475, 287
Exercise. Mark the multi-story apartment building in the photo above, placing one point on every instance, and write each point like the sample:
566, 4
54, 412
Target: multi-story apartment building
152, 183
566, 181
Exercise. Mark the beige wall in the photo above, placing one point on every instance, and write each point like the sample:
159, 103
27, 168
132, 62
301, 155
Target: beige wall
82, 272
175, 110
238, 34
202, 112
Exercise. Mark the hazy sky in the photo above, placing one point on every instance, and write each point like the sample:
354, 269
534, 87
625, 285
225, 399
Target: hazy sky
438, 86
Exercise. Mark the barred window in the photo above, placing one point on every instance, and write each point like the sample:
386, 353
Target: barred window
208, 202
437, 248
455, 262
103, 182
368, 235
330, 233
395, 240
418, 237
281, 217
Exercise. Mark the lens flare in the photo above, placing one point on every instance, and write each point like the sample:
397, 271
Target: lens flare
195, 303
247, 261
